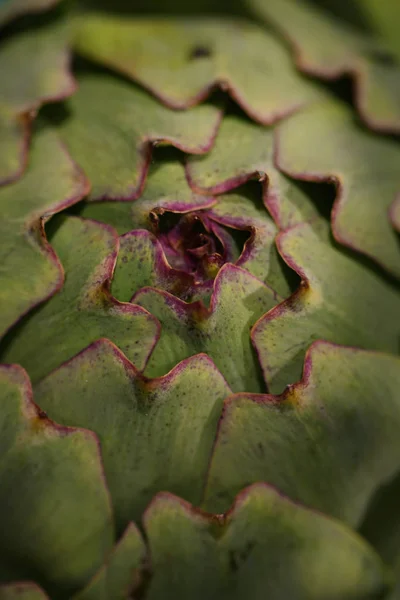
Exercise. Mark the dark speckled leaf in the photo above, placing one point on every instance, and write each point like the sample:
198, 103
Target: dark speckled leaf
222, 331
339, 300
265, 547
29, 268
335, 433
155, 434
52, 491
84, 310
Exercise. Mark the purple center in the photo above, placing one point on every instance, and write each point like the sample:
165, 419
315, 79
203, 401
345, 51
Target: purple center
192, 243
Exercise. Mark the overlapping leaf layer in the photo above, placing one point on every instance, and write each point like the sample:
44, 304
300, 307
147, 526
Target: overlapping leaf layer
200, 371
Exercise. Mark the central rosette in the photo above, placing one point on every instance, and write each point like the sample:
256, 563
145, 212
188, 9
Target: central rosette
194, 243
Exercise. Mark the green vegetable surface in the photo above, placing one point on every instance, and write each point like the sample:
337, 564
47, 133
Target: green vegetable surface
199, 300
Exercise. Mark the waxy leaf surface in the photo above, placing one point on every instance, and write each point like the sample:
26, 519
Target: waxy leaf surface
245, 151
334, 49
30, 271
339, 300
166, 189
155, 434
83, 310
335, 433
222, 331
34, 70
182, 60
119, 576
56, 522
111, 125
265, 547
365, 168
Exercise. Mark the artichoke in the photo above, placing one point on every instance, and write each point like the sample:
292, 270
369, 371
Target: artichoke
200, 300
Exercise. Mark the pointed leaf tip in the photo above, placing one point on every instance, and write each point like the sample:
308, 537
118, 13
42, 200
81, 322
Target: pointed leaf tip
339, 300
53, 490
222, 332
341, 419
30, 270
35, 70
264, 546
335, 49
112, 126
155, 434
83, 310
181, 61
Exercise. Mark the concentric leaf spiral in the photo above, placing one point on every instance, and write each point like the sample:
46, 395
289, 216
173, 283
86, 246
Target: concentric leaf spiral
199, 300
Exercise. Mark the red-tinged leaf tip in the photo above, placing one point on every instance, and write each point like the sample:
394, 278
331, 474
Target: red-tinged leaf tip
48, 465
199, 555
335, 50
31, 271
316, 427
222, 331
84, 309
180, 78
360, 164
327, 305
166, 426
46, 77
112, 126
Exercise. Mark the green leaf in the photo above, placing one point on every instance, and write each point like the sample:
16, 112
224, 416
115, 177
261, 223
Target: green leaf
23, 590
222, 331
11, 9
154, 434
166, 190
110, 128
364, 168
335, 434
83, 310
264, 547
141, 262
259, 256
55, 514
383, 17
34, 68
120, 574
334, 50
30, 270
339, 300
181, 61
245, 151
